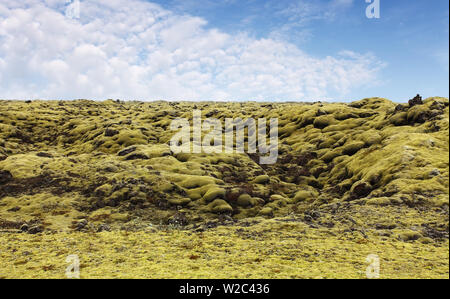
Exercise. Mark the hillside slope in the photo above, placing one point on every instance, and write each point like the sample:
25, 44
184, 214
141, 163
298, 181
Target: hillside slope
364, 176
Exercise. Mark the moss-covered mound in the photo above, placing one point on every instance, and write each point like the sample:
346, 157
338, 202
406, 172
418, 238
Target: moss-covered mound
368, 177
109, 163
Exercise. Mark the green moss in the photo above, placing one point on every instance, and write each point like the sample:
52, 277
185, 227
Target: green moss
24, 166
328, 156
426, 240
323, 121
120, 217
343, 115
352, 148
244, 200
399, 119
364, 173
410, 236
179, 201
166, 187
287, 130
130, 254
417, 113
104, 190
262, 179
196, 181
120, 195
370, 137
220, 206
380, 201
214, 193
266, 211
304, 195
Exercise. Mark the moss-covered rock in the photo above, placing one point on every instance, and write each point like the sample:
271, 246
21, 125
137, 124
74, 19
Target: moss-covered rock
323, 121
220, 206
304, 195
262, 179
266, 211
116, 156
244, 200
352, 148
214, 193
365, 177
410, 236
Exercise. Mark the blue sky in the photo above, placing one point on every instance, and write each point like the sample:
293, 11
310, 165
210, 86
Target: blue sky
410, 36
303, 50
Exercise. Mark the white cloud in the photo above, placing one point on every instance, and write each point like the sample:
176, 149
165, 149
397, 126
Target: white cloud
302, 12
137, 50
298, 16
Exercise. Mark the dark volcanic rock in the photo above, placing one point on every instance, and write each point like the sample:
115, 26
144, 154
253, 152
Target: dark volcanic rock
179, 219
362, 189
137, 157
127, 151
400, 108
44, 155
417, 100
35, 229
111, 132
5, 176
24, 227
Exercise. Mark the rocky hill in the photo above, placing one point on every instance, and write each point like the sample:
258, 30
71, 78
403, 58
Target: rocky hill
368, 170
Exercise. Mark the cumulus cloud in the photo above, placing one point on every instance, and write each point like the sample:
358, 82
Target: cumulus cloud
137, 50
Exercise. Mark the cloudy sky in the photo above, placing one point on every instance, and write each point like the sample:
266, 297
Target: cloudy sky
273, 50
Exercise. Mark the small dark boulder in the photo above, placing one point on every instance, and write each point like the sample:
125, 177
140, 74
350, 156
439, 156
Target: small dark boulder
111, 132
417, 100
81, 224
24, 227
103, 227
127, 151
5, 176
320, 112
360, 190
211, 113
136, 157
179, 219
14, 209
400, 108
35, 229
44, 155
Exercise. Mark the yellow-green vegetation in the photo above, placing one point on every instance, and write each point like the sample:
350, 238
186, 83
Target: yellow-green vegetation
98, 179
277, 248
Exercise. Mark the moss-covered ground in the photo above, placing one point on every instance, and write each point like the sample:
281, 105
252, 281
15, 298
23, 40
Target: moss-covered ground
98, 179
